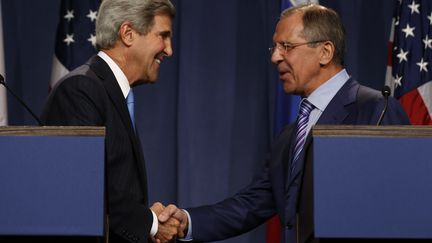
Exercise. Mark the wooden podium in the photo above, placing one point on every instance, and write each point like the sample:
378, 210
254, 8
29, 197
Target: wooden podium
373, 182
52, 182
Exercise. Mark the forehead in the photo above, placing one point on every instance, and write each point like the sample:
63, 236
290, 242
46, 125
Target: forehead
162, 22
289, 28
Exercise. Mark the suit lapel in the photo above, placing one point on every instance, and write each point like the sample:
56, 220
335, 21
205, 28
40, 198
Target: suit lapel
334, 114
117, 99
113, 90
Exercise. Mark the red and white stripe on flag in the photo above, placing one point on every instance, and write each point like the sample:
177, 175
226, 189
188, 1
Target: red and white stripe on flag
409, 67
3, 95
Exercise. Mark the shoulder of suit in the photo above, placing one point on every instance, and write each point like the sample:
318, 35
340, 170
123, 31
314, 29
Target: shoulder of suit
369, 92
368, 97
80, 78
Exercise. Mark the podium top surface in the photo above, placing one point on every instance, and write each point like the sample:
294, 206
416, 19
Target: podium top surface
52, 131
371, 131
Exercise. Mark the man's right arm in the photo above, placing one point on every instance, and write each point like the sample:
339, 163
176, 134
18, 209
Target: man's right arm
231, 217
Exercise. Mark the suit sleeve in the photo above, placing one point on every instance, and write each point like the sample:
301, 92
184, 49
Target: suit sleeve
236, 215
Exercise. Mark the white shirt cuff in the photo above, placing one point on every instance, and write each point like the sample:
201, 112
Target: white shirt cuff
188, 236
155, 225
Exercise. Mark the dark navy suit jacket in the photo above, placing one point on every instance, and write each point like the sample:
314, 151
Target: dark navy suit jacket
274, 191
91, 96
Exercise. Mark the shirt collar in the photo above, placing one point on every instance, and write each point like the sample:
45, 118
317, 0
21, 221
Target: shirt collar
118, 73
322, 96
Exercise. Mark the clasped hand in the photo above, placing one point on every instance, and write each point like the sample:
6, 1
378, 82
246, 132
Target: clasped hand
173, 222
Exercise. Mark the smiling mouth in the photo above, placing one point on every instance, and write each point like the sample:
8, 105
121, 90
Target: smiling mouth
159, 57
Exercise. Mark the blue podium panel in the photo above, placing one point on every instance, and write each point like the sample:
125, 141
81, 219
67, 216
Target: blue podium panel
52, 185
373, 187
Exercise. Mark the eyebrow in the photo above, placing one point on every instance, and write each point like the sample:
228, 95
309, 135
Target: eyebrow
166, 33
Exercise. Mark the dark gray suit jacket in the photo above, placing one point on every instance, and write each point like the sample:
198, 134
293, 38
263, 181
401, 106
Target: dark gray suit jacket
274, 191
91, 96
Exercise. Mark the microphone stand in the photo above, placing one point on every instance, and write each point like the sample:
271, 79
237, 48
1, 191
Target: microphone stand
20, 100
386, 93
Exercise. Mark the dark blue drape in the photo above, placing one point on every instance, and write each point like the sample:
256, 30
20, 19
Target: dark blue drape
206, 125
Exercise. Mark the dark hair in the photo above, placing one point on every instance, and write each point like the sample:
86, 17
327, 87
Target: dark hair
321, 23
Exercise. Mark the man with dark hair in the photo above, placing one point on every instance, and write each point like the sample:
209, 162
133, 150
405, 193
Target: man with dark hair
133, 38
308, 51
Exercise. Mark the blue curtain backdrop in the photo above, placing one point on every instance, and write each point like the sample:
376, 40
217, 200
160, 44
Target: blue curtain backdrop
207, 124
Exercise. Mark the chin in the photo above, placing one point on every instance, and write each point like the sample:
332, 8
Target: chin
289, 89
152, 77
152, 80
148, 79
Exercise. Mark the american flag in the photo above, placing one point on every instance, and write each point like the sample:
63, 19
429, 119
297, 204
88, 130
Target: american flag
409, 72
75, 40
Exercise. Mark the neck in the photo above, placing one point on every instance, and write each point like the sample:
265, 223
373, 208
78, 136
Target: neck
119, 56
326, 73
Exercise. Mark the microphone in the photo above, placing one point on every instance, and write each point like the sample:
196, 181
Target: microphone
386, 93
2, 81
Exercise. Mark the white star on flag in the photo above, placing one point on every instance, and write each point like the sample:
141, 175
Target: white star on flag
414, 7
92, 15
408, 31
423, 65
398, 80
402, 55
69, 15
69, 39
427, 42
92, 40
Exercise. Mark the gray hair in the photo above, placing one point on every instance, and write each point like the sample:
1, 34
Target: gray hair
321, 23
140, 13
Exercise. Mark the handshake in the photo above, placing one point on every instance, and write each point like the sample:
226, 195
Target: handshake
173, 223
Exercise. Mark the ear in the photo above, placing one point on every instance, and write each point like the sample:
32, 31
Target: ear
126, 33
327, 53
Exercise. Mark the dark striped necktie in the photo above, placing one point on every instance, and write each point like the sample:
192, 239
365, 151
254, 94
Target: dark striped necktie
302, 121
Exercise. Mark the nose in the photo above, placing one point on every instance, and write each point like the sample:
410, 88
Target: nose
276, 56
168, 47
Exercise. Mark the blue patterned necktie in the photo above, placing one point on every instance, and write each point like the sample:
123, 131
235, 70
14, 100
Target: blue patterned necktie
130, 105
302, 121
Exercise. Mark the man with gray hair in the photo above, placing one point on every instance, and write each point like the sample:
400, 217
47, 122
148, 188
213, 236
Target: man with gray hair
308, 51
133, 38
